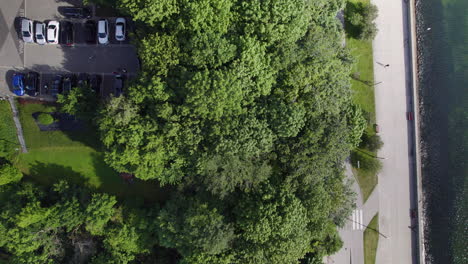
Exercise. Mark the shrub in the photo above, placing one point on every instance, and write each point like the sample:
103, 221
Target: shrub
45, 119
372, 143
359, 20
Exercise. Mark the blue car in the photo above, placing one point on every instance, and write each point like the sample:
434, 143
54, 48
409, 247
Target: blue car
18, 84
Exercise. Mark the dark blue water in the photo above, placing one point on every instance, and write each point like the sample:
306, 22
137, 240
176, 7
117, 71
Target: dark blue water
443, 76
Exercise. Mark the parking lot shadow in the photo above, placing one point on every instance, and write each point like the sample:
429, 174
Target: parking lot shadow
17, 25
71, 2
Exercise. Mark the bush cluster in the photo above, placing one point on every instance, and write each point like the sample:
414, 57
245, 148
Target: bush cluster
359, 20
45, 119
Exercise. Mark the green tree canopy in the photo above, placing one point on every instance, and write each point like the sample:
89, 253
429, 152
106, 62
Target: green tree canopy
9, 173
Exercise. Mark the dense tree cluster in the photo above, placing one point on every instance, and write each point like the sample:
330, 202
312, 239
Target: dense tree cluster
245, 108
360, 18
66, 224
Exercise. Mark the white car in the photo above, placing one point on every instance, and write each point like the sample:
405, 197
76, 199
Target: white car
27, 30
103, 31
39, 32
53, 32
120, 29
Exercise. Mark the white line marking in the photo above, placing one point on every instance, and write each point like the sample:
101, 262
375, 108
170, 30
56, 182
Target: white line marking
354, 219
361, 226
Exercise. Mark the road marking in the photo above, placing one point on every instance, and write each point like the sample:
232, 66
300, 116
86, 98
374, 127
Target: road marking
358, 220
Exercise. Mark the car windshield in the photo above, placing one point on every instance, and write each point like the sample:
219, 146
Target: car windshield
52, 27
39, 37
102, 35
26, 34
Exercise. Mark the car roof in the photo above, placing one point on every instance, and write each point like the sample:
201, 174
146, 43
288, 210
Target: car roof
17, 78
25, 24
119, 30
39, 27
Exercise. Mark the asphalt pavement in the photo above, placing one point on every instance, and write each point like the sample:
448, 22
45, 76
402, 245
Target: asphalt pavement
49, 60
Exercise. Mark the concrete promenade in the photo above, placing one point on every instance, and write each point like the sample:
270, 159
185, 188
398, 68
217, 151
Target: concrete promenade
394, 99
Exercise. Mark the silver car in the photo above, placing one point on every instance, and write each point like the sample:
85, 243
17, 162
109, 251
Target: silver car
103, 31
27, 30
39, 32
120, 29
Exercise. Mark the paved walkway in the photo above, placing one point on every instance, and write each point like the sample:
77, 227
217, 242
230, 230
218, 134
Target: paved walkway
19, 129
392, 99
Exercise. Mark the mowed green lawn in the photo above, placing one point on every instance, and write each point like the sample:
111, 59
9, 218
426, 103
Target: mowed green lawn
8, 139
362, 85
363, 79
371, 240
73, 156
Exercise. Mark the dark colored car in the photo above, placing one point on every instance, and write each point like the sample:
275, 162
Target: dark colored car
75, 12
67, 84
56, 86
18, 84
118, 84
95, 83
66, 33
90, 32
32, 83
83, 80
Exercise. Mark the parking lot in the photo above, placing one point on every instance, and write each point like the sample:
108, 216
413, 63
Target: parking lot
50, 60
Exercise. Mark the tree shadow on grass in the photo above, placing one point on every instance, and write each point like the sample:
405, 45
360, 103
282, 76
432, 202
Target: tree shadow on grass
49, 173
112, 183
104, 179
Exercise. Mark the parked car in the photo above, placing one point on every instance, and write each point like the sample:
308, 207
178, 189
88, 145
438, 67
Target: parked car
118, 84
75, 12
27, 30
40, 32
95, 83
120, 26
67, 84
53, 32
83, 80
32, 83
56, 87
90, 32
66, 33
103, 31
18, 84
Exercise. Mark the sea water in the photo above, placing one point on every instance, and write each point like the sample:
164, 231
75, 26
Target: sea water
443, 89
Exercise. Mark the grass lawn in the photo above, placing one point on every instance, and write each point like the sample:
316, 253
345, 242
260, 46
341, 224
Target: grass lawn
362, 85
74, 156
8, 140
371, 240
367, 181
363, 77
